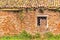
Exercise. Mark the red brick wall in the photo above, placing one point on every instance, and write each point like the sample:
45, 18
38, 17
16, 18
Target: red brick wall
30, 23
10, 22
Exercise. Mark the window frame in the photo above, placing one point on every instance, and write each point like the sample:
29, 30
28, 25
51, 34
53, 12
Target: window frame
42, 16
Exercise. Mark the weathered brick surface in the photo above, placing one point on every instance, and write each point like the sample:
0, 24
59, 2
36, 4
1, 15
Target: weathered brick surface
10, 22
29, 22
31, 25
53, 21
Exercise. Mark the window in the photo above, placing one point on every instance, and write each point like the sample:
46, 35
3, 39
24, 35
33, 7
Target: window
42, 21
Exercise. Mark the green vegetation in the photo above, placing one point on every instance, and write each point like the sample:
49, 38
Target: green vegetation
50, 36
22, 36
26, 36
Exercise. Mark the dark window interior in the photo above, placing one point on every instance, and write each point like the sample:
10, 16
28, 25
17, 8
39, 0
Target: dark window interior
39, 18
